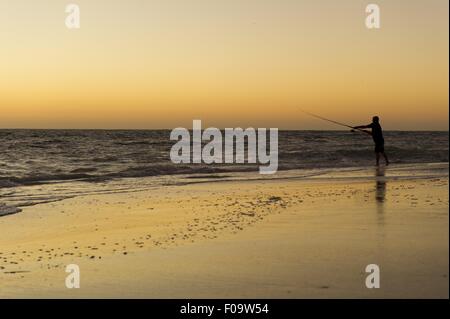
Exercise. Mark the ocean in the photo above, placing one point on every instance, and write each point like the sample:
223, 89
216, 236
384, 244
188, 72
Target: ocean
39, 166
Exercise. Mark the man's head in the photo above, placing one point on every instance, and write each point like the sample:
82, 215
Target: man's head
375, 119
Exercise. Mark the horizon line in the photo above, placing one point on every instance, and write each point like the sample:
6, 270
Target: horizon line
190, 129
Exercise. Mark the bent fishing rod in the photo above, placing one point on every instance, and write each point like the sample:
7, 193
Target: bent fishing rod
335, 122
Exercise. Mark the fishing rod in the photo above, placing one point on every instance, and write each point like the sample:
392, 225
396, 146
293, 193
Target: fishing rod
335, 122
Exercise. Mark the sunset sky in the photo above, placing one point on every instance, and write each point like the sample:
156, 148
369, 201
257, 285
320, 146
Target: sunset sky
162, 63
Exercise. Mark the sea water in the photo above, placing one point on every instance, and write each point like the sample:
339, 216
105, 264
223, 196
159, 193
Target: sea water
38, 166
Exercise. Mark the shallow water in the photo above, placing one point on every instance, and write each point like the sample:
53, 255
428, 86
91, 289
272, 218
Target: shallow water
41, 156
38, 166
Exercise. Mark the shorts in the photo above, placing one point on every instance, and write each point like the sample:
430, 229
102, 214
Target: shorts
379, 148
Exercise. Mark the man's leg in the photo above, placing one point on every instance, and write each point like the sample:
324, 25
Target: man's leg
385, 158
377, 155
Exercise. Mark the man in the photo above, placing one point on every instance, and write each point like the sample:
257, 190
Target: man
377, 135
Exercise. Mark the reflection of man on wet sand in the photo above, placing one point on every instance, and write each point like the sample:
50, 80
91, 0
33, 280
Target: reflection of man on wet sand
380, 194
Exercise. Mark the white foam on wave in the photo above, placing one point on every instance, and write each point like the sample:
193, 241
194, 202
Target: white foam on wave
8, 210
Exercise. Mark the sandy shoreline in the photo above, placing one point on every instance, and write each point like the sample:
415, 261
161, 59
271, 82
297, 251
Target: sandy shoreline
249, 239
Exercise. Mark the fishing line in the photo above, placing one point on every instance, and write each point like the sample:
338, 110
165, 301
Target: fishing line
332, 121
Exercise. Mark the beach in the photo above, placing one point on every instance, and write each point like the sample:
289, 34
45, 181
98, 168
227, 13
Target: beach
231, 150
257, 238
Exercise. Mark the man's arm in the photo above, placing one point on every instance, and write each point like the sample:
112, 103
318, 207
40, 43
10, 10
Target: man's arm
362, 126
368, 132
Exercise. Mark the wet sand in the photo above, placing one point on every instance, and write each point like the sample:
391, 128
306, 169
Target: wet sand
293, 238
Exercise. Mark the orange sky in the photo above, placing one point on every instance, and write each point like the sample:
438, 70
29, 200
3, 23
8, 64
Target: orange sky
163, 63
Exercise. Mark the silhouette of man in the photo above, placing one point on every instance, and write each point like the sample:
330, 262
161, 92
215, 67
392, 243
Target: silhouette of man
377, 135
